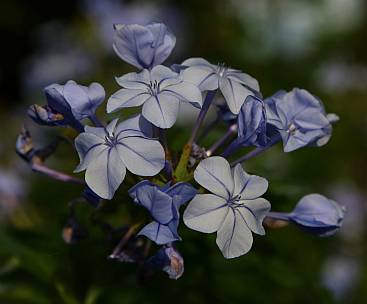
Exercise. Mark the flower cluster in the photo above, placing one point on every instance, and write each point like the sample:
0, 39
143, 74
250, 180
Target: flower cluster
220, 196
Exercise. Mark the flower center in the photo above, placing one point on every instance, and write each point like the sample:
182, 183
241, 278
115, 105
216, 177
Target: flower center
292, 128
233, 202
221, 70
110, 140
153, 88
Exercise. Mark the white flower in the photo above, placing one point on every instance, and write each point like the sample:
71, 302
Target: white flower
233, 210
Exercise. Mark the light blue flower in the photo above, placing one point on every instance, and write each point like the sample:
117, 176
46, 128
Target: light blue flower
73, 99
160, 91
300, 119
234, 208
143, 46
251, 123
234, 85
105, 153
163, 204
315, 213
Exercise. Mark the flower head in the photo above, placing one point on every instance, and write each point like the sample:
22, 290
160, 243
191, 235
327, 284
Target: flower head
160, 91
143, 46
315, 213
234, 208
163, 204
105, 153
299, 118
234, 85
252, 123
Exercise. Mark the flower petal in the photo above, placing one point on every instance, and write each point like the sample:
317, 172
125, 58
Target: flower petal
126, 98
160, 234
185, 91
205, 213
141, 156
181, 193
158, 203
234, 238
214, 174
135, 81
204, 77
161, 110
136, 125
161, 72
88, 146
254, 212
234, 93
105, 174
243, 78
248, 186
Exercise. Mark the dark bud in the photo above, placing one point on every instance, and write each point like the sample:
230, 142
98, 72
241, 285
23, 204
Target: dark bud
92, 198
44, 115
72, 232
24, 145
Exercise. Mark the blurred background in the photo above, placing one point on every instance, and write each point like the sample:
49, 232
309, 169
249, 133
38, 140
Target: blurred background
319, 45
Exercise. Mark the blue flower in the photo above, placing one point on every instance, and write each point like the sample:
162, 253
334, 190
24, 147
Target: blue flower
105, 153
163, 204
300, 119
160, 91
68, 104
251, 124
143, 46
233, 210
234, 85
315, 213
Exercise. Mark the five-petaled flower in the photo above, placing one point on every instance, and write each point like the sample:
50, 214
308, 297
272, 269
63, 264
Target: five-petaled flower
315, 213
233, 210
300, 119
234, 85
105, 153
163, 203
143, 46
160, 91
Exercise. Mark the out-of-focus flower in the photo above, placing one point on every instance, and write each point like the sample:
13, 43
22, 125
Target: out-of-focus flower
233, 210
315, 213
73, 232
105, 153
169, 260
160, 91
300, 119
143, 46
251, 124
234, 85
44, 115
163, 204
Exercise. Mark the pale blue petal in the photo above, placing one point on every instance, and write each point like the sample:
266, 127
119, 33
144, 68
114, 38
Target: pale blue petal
105, 174
234, 94
181, 192
160, 234
185, 91
204, 77
254, 212
243, 78
198, 61
248, 186
234, 238
88, 147
161, 72
135, 81
96, 94
141, 156
157, 202
205, 213
126, 98
161, 110
136, 125
214, 174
